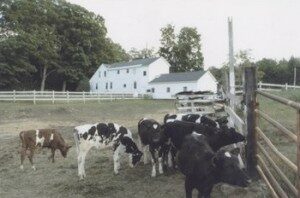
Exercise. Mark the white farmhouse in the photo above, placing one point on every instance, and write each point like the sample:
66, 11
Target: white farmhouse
167, 85
128, 77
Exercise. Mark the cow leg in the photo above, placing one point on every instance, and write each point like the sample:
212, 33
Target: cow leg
31, 158
130, 160
117, 159
160, 161
145, 149
23, 154
153, 162
81, 161
188, 188
173, 155
52, 155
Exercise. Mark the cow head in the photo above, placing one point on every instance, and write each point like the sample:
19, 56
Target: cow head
230, 135
131, 148
228, 169
64, 150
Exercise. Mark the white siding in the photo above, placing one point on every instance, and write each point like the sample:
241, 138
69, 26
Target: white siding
160, 66
207, 83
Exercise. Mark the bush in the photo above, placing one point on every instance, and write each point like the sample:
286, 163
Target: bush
83, 85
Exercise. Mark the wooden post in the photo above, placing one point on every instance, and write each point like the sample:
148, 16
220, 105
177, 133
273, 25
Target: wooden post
298, 153
231, 65
111, 97
33, 96
68, 97
260, 85
14, 96
83, 97
286, 86
250, 97
53, 97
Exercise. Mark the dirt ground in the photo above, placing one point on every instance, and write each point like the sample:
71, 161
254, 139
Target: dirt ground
60, 179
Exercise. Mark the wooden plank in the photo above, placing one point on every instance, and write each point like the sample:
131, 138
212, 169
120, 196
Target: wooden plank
279, 126
263, 176
238, 122
278, 170
280, 99
275, 150
272, 179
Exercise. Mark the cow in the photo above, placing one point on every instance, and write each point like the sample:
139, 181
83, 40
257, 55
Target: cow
196, 118
154, 140
103, 135
44, 138
204, 168
217, 138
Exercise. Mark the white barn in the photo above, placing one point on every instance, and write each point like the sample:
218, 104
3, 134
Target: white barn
128, 77
149, 76
167, 85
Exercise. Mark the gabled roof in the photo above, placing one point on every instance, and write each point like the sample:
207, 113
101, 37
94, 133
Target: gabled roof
176, 77
142, 62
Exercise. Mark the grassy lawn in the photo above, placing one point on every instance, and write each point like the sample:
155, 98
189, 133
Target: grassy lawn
60, 179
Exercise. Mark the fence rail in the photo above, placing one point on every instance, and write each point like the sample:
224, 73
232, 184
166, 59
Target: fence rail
67, 96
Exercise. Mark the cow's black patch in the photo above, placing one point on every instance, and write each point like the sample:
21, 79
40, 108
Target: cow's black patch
102, 130
85, 135
92, 131
111, 129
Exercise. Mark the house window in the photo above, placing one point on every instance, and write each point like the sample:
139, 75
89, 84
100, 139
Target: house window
148, 90
104, 73
99, 74
127, 71
153, 90
118, 72
96, 85
144, 73
111, 85
184, 88
124, 85
134, 85
168, 89
106, 85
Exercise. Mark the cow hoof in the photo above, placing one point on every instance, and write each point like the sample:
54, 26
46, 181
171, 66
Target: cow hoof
22, 167
116, 172
33, 167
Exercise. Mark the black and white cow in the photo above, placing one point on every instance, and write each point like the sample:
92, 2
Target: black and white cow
153, 140
217, 138
204, 168
196, 118
103, 135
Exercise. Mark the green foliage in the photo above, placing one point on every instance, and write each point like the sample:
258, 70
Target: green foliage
183, 51
83, 85
52, 37
143, 53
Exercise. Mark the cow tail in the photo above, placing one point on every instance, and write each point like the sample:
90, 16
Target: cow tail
76, 138
166, 118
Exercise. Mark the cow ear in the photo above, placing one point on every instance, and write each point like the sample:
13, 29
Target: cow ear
235, 151
214, 161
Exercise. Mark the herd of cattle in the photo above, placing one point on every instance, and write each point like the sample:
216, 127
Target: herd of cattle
191, 143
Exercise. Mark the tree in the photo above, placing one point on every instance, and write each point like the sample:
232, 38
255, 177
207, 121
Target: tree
183, 51
143, 53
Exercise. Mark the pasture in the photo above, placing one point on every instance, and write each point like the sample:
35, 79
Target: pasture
60, 179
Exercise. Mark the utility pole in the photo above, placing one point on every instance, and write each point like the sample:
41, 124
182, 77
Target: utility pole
295, 75
231, 64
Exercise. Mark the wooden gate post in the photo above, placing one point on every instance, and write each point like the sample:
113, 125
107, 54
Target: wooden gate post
298, 153
250, 100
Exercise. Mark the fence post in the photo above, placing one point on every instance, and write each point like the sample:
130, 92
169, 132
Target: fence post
250, 99
286, 86
33, 96
83, 97
111, 97
14, 96
298, 153
260, 85
68, 97
53, 97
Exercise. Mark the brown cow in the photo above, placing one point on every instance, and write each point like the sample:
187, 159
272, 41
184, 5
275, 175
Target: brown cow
44, 138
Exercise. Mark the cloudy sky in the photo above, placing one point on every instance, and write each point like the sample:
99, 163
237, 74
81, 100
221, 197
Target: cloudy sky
270, 28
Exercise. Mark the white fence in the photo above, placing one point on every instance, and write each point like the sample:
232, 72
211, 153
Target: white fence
274, 87
67, 96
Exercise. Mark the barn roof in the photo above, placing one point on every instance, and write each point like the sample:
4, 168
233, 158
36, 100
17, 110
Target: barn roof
181, 76
142, 62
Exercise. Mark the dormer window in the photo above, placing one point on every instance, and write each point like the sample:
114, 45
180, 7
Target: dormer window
144, 73
118, 72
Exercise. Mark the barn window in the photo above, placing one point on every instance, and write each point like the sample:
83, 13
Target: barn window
148, 90
144, 73
124, 85
111, 85
134, 85
184, 88
99, 74
168, 89
118, 72
127, 71
96, 85
106, 85
104, 73
153, 90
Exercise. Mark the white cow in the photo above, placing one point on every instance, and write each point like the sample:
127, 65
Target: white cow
103, 135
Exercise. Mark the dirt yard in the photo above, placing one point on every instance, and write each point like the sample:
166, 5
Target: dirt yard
60, 179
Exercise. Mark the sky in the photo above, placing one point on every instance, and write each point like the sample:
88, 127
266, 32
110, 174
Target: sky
269, 28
